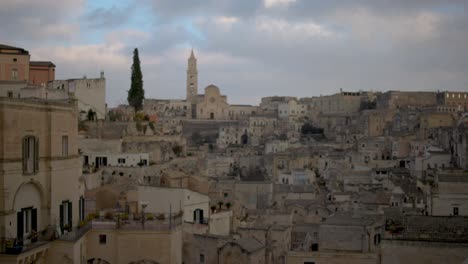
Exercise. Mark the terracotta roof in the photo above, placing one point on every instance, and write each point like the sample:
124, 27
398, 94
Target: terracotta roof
41, 63
6, 47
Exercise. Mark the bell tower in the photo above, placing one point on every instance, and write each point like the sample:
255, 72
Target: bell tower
192, 79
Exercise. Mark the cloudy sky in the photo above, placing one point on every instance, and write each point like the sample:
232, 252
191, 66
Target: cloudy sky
249, 48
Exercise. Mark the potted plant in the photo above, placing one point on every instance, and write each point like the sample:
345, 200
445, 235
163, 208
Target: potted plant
124, 216
13, 246
109, 216
82, 223
149, 217
160, 217
228, 205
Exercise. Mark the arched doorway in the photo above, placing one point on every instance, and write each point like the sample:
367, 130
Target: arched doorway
97, 261
27, 204
211, 115
244, 139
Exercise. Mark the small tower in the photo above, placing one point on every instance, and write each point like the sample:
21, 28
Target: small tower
192, 79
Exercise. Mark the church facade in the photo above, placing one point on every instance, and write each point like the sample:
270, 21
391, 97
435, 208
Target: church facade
211, 105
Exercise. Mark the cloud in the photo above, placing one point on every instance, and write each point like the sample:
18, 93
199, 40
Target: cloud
366, 25
274, 3
285, 28
40, 21
108, 17
225, 22
249, 48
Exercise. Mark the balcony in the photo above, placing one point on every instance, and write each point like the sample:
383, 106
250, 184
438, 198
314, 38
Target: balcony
30, 252
123, 222
76, 233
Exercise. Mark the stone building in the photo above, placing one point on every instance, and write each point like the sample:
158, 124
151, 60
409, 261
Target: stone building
424, 239
90, 94
456, 100
41, 189
400, 99
212, 105
244, 250
342, 102
460, 142
449, 195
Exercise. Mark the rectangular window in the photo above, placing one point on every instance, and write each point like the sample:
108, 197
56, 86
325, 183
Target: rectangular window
66, 215
64, 146
202, 258
455, 211
121, 161
30, 154
10, 94
314, 247
102, 239
14, 74
27, 220
81, 208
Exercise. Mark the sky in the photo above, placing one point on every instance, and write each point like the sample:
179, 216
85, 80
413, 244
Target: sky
249, 48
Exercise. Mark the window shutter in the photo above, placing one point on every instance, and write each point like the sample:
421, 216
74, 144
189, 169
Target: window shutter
34, 219
19, 227
36, 155
61, 215
82, 205
25, 154
70, 218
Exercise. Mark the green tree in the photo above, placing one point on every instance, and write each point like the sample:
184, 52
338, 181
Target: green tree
136, 94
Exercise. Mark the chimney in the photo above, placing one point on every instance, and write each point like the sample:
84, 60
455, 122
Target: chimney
102, 74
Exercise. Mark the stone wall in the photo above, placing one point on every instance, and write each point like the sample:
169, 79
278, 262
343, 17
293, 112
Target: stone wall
415, 252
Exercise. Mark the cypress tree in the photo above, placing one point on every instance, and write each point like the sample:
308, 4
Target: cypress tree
136, 94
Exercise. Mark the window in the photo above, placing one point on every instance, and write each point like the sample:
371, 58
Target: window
26, 223
202, 258
64, 146
121, 161
30, 154
27, 219
226, 195
102, 239
66, 215
455, 211
10, 94
376, 239
14, 74
314, 247
15, 59
81, 207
